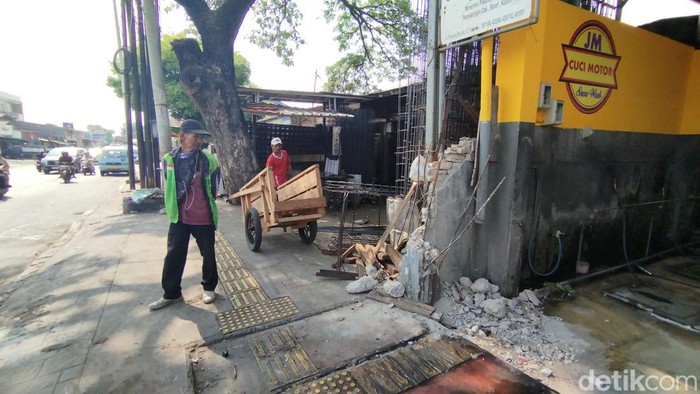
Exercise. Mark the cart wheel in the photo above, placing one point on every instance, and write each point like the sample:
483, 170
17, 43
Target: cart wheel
253, 229
308, 232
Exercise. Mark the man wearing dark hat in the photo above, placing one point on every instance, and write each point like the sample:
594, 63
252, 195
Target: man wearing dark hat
191, 177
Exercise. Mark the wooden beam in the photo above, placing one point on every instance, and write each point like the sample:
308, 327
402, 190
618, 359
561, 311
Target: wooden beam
404, 303
345, 255
397, 214
299, 218
368, 256
394, 256
304, 181
297, 205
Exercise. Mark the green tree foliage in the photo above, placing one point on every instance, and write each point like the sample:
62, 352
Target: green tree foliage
379, 34
377, 37
179, 104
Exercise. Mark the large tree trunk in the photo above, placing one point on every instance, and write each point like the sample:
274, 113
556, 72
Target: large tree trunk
207, 76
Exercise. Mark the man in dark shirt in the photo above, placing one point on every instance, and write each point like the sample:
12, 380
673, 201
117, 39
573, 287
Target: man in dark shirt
67, 160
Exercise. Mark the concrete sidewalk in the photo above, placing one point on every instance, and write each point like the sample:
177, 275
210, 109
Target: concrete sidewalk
78, 322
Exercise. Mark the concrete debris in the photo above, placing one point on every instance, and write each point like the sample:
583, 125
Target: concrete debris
514, 330
546, 372
479, 298
495, 307
393, 288
361, 285
465, 282
481, 286
529, 295
371, 270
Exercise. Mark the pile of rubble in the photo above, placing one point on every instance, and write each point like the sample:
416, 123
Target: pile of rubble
515, 330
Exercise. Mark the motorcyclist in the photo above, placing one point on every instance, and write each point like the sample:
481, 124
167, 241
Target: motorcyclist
5, 177
38, 158
67, 159
87, 162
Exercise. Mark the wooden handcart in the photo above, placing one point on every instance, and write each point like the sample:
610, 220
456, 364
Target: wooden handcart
297, 204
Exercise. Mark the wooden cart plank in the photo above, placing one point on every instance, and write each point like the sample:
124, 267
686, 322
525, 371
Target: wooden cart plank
296, 205
300, 218
302, 183
251, 182
299, 175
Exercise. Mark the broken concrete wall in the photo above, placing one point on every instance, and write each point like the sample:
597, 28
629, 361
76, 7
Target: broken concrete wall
558, 181
482, 249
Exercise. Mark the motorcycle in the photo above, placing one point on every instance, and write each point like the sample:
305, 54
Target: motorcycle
65, 172
4, 177
87, 167
37, 161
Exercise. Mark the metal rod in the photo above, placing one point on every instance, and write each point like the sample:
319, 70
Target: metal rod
651, 226
596, 210
617, 267
580, 242
338, 263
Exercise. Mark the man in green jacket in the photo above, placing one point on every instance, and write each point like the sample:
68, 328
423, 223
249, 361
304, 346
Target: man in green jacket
191, 177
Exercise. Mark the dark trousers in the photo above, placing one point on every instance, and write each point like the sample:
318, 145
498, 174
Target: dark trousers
174, 265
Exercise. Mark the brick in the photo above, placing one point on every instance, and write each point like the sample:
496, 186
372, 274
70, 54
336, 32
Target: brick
455, 158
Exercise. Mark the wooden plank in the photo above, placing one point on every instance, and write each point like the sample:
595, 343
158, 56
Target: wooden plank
367, 254
268, 198
309, 194
337, 274
302, 187
397, 214
242, 193
270, 195
251, 182
394, 256
404, 303
298, 176
245, 204
352, 249
301, 183
296, 205
299, 218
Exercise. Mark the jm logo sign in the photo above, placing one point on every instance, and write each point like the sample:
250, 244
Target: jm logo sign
590, 66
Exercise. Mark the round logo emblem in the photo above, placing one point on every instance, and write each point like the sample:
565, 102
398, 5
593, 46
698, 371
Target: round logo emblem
590, 66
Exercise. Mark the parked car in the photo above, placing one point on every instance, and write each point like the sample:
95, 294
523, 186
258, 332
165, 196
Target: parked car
50, 161
113, 159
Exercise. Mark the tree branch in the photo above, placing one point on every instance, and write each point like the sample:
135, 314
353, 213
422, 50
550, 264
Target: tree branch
232, 13
196, 9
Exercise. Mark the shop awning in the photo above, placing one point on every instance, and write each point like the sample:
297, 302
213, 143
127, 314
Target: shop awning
279, 109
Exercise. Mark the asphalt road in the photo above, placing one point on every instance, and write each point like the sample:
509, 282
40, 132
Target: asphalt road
39, 209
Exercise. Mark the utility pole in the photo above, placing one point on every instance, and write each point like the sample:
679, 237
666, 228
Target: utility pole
155, 63
434, 84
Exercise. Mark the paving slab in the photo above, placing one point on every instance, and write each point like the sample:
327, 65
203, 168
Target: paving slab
330, 341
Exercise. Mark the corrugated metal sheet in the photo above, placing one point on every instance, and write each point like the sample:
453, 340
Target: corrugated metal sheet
279, 109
